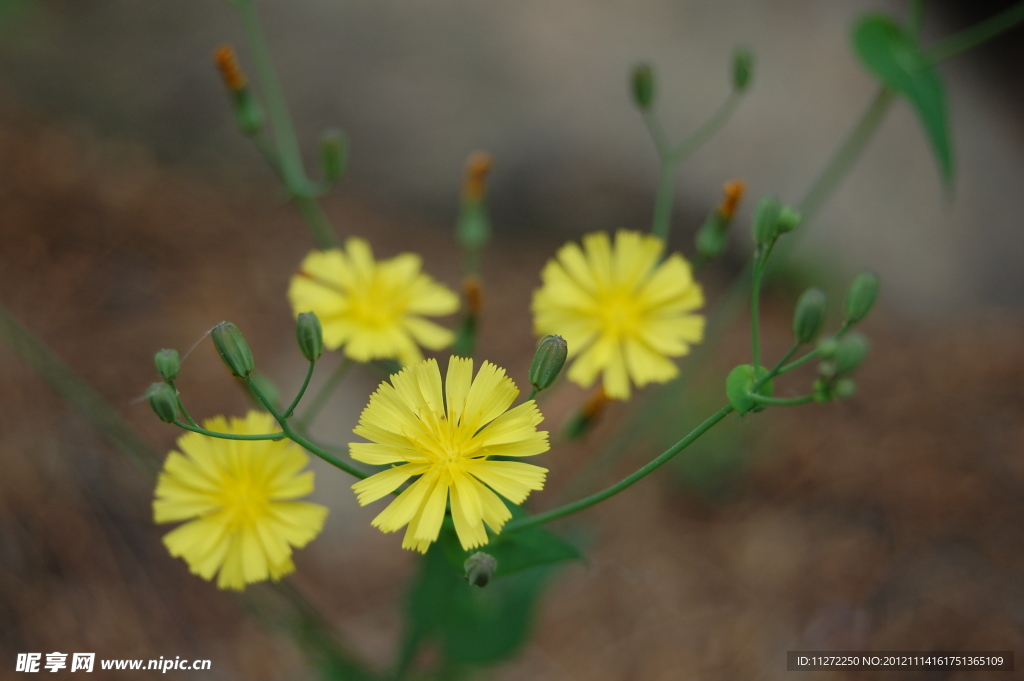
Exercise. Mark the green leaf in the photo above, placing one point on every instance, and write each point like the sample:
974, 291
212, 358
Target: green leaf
516, 551
899, 62
476, 625
738, 385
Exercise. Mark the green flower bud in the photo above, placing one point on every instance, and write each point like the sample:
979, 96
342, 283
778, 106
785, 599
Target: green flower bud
233, 349
822, 391
164, 401
333, 155
310, 335
248, 114
827, 347
548, 361
168, 364
742, 69
789, 219
643, 86
852, 350
766, 220
809, 316
713, 237
845, 388
861, 296
480, 568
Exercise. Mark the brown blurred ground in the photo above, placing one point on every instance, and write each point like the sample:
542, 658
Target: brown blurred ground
889, 522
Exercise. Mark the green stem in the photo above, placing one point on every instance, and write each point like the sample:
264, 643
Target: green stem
755, 309
316, 220
325, 392
533, 394
844, 158
813, 353
776, 370
977, 34
277, 107
708, 129
181, 406
661, 223
780, 401
639, 474
302, 391
229, 436
298, 439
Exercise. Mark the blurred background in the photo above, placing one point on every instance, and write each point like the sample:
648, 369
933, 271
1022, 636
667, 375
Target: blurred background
133, 217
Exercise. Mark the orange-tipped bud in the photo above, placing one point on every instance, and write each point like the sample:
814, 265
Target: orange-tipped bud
478, 165
732, 195
230, 71
474, 294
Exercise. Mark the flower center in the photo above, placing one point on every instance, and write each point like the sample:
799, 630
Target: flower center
618, 312
376, 305
244, 499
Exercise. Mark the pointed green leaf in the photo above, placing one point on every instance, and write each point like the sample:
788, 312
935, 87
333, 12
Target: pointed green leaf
897, 60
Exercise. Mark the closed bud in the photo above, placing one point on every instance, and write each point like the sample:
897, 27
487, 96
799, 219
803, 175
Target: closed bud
164, 401
233, 349
643, 86
809, 316
766, 220
827, 347
789, 219
822, 390
845, 388
742, 69
310, 335
861, 296
333, 155
852, 350
480, 568
712, 237
248, 114
548, 361
168, 364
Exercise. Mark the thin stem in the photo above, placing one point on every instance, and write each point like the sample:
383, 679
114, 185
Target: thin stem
781, 401
708, 129
977, 34
277, 106
755, 305
775, 371
325, 393
657, 133
316, 220
661, 223
229, 436
844, 158
181, 406
639, 474
302, 391
533, 394
298, 439
813, 353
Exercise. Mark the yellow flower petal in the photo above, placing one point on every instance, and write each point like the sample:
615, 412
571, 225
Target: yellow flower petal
448, 448
372, 309
237, 498
623, 311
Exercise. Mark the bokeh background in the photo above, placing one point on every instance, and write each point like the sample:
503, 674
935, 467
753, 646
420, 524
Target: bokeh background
133, 217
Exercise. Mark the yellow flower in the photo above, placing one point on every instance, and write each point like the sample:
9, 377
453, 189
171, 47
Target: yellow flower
623, 311
374, 308
238, 497
445, 439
